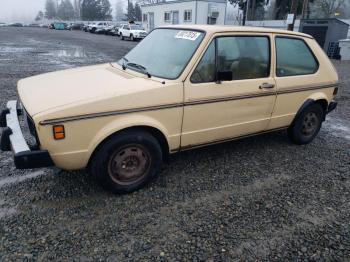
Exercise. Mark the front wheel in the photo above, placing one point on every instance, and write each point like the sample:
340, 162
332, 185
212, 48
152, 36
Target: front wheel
121, 36
307, 125
132, 38
127, 162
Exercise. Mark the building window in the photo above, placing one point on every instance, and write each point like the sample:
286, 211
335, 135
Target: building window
144, 16
188, 15
167, 16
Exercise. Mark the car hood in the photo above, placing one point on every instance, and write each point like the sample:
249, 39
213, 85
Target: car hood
76, 86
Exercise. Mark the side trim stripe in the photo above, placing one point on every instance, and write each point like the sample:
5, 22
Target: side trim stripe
190, 103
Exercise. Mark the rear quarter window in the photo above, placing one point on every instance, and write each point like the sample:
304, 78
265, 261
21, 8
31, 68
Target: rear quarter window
294, 57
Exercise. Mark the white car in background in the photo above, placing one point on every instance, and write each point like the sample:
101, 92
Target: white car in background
99, 27
132, 31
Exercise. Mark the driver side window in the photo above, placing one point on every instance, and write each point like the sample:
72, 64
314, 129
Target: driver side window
243, 57
205, 70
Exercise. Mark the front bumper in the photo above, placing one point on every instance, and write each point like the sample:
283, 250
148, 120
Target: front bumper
12, 139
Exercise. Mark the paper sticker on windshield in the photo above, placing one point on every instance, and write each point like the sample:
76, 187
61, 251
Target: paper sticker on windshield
188, 35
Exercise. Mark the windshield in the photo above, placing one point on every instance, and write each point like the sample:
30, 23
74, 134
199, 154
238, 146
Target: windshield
164, 53
136, 27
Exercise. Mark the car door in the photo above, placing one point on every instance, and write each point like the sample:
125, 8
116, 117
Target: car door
298, 76
240, 105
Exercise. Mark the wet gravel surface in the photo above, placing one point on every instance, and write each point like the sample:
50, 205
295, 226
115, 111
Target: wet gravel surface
258, 199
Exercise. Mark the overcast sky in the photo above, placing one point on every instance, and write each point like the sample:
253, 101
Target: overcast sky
24, 10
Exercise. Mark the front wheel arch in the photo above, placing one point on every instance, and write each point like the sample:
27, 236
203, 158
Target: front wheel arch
156, 133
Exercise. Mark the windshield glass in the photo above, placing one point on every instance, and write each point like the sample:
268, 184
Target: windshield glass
164, 53
136, 27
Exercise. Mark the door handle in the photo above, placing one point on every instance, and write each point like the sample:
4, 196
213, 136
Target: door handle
266, 85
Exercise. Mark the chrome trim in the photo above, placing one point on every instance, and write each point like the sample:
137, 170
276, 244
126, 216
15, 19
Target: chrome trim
18, 143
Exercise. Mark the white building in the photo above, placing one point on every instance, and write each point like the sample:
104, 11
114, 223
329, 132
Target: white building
183, 12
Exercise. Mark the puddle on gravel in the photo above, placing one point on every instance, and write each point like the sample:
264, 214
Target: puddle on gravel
338, 128
8, 49
18, 179
6, 212
76, 53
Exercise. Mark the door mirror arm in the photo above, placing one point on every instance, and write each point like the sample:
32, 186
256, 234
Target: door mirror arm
223, 76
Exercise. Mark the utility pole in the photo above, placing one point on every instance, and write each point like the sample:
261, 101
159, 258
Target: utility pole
245, 10
293, 10
305, 9
128, 12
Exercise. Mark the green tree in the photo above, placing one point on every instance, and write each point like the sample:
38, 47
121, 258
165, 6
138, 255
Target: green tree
328, 8
96, 10
131, 12
65, 10
50, 9
138, 12
39, 16
119, 12
77, 8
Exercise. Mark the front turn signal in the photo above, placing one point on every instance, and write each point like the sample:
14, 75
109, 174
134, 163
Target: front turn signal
58, 132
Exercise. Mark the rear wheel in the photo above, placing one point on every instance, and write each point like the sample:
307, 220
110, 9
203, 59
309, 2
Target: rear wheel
307, 125
127, 161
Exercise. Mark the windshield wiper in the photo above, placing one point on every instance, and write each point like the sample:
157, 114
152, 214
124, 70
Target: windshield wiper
124, 64
140, 67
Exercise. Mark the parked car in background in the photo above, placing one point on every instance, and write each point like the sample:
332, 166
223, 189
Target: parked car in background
16, 25
90, 26
132, 32
33, 25
113, 29
99, 28
108, 29
182, 87
76, 26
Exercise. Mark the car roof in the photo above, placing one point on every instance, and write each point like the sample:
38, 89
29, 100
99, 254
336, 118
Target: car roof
212, 29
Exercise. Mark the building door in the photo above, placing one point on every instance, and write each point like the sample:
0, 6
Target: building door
175, 17
151, 21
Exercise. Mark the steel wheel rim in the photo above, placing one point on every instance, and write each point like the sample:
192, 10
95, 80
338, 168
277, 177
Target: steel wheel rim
309, 124
129, 164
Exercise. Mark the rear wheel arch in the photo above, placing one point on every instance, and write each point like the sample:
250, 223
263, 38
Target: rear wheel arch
321, 101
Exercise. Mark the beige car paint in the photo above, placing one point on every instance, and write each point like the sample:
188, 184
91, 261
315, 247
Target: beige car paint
97, 101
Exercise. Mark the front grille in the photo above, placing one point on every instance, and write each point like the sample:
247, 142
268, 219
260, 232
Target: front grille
30, 123
28, 129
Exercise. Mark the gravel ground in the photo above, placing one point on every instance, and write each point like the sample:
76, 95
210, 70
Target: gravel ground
257, 199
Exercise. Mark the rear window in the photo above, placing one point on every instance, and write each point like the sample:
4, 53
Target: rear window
294, 57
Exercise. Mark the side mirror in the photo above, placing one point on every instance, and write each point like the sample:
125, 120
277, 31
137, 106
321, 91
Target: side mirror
224, 76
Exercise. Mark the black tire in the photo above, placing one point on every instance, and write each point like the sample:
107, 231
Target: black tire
132, 38
307, 124
121, 36
120, 153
